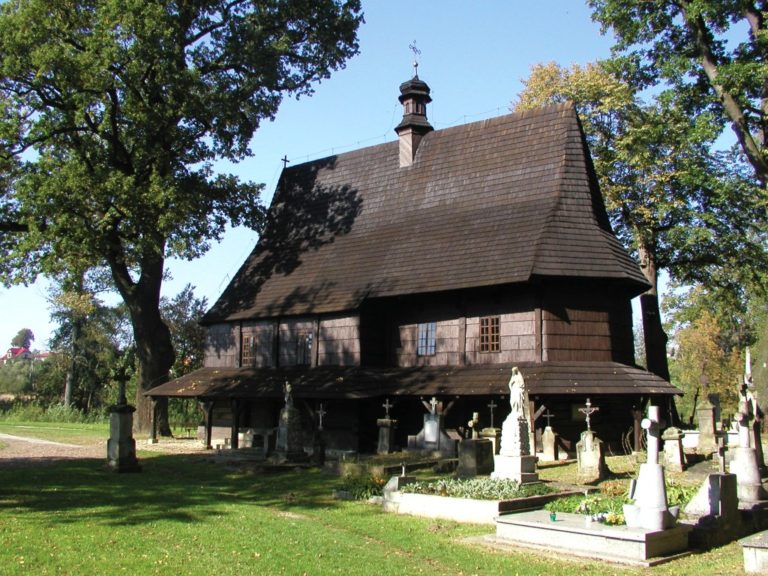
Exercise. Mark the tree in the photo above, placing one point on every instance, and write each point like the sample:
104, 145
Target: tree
183, 313
712, 53
116, 110
23, 338
707, 357
677, 205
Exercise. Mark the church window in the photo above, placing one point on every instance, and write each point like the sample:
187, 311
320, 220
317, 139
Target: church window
248, 350
427, 339
490, 340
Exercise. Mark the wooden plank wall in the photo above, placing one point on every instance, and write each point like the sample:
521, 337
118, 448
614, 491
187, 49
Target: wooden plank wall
222, 346
339, 341
264, 332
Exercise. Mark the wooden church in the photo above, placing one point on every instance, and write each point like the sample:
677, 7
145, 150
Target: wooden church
427, 268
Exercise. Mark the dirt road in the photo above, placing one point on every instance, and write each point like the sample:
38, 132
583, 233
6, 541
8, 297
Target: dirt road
24, 451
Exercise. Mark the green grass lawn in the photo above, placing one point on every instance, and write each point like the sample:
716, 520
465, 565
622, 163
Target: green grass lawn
58, 431
185, 515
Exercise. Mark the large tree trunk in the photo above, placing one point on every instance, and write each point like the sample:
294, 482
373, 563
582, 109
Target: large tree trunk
154, 347
653, 331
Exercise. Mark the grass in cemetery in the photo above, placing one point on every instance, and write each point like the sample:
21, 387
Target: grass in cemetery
184, 515
70, 433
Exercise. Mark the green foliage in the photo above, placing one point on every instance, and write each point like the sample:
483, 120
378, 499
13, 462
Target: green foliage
182, 315
711, 55
362, 486
478, 488
17, 376
114, 113
58, 413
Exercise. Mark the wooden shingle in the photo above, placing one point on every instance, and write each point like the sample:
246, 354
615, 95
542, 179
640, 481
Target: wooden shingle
495, 202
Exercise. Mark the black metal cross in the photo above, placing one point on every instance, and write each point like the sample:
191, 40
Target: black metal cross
285, 161
548, 416
492, 406
416, 54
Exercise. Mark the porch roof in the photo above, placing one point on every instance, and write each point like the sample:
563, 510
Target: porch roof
550, 378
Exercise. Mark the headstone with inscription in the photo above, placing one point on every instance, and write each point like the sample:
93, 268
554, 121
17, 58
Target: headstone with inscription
674, 456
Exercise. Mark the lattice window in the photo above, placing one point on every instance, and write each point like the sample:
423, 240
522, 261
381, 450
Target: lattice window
427, 339
248, 350
304, 349
490, 340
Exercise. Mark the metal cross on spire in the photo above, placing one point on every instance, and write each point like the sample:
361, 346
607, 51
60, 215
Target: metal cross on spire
416, 54
285, 161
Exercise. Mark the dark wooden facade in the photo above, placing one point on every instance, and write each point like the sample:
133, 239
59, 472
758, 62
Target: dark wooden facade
378, 277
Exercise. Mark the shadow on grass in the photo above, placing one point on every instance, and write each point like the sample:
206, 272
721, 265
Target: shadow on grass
178, 488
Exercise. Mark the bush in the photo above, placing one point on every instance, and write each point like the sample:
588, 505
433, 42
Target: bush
57, 413
362, 487
478, 489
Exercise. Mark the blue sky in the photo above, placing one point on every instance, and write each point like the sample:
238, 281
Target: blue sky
474, 54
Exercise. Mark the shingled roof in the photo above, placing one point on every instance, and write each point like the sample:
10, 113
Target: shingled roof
549, 378
495, 202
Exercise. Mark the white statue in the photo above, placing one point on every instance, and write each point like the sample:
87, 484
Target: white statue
517, 393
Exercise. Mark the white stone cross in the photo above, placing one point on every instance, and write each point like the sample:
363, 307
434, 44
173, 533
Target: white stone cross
433, 403
588, 411
387, 405
320, 413
651, 425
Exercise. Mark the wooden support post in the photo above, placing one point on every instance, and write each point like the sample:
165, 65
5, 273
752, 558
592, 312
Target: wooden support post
234, 441
208, 408
153, 434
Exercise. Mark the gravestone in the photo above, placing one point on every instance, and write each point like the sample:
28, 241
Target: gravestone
387, 427
289, 446
674, 456
744, 462
715, 510
589, 449
475, 457
515, 461
121, 447
705, 416
432, 437
649, 491
548, 440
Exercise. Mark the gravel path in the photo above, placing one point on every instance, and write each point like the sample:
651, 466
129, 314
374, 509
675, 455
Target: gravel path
23, 451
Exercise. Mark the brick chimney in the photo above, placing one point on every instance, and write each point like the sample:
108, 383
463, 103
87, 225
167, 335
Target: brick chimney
414, 96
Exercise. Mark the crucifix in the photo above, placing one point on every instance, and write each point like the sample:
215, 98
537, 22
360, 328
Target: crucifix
320, 413
387, 405
285, 161
548, 416
492, 407
589, 410
432, 405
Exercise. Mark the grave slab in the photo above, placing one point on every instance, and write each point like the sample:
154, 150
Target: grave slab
755, 550
574, 534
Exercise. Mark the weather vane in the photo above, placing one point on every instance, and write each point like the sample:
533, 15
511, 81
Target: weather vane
416, 54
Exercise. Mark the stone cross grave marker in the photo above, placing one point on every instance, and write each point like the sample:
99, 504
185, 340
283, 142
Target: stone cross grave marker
320, 414
387, 405
651, 425
588, 411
